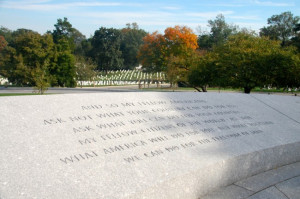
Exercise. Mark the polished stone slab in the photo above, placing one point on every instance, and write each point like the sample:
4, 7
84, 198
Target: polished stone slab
229, 192
270, 178
270, 193
291, 188
139, 145
285, 105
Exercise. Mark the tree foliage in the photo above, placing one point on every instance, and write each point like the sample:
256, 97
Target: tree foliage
152, 53
171, 52
281, 27
296, 39
3, 43
105, 51
30, 50
221, 57
218, 35
132, 39
85, 69
31, 58
247, 61
64, 29
63, 69
41, 79
206, 72
6, 33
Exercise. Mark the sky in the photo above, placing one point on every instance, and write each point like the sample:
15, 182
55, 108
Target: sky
150, 15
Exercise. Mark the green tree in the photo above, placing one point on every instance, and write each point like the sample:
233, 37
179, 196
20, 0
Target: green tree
247, 61
205, 42
242, 58
12, 66
62, 66
296, 38
283, 69
30, 51
6, 33
132, 39
207, 72
41, 79
85, 69
219, 33
281, 27
105, 50
64, 29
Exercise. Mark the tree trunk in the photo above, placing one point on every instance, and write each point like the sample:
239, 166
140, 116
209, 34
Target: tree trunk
204, 88
197, 89
247, 90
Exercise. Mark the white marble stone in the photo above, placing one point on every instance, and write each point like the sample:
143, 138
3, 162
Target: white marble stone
139, 145
229, 192
270, 193
291, 188
286, 105
270, 178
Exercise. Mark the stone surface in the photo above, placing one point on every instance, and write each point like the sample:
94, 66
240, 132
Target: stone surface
269, 178
285, 105
291, 188
229, 192
270, 193
139, 145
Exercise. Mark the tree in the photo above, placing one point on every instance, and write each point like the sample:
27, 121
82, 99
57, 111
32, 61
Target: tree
3, 43
220, 30
180, 40
41, 79
283, 69
178, 68
281, 27
164, 52
246, 61
296, 39
106, 49
219, 33
12, 67
132, 39
85, 69
181, 45
62, 67
242, 58
6, 33
152, 53
30, 51
206, 72
205, 42
64, 29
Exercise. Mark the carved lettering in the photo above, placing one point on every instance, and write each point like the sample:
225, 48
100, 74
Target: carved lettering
54, 121
79, 157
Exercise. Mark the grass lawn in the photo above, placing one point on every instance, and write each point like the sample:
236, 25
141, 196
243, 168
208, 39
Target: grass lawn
255, 90
21, 94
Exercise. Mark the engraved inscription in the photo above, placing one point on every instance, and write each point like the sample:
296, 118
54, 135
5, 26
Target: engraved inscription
141, 130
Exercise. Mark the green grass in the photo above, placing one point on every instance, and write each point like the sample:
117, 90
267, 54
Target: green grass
21, 94
255, 90
273, 90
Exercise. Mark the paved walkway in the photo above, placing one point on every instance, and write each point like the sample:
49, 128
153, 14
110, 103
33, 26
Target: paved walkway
279, 183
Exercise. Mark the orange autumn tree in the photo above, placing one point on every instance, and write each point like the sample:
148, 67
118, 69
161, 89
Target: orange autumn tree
3, 43
152, 53
180, 40
174, 52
